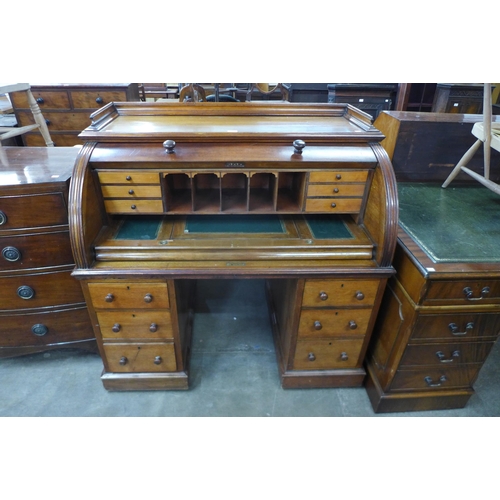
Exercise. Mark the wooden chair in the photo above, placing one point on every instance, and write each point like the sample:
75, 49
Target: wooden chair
192, 92
266, 89
8, 132
488, 134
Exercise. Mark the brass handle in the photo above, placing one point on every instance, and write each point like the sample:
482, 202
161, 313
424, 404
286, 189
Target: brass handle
3, 218
454, 328
298, 146
442, 359
148, 298
12, 254
116, 327
430, 383
157, 360
25, 292
323, 295
39, 330
353, 325
123, 360
344, 356
318, 325
153, 328
109, 298
169, 145
360, 295
99, 100
468, 293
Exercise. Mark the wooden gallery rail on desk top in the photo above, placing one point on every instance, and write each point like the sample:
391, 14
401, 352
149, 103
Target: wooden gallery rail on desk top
164, 194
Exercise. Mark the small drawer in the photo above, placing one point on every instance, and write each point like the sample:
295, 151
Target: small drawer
464, 292
135, 324
339, 176
317, 323
435, 379
45, 99
334, 205
129, 177
133, 206
131, 192
456, 326
326, 355
157, 357
336, 190
332, 293
94, 99
33, 251
446, 354
129, 295
18, 212
39, 290
36, 140
46, 328
58, 121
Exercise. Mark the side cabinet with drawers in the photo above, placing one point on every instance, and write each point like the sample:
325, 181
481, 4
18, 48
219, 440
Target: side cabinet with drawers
41, 305
166, 194
67, 108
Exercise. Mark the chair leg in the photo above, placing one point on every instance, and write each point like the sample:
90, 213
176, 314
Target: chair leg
466, 158
40, 121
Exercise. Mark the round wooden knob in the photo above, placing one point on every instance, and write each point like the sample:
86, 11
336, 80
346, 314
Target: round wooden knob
360, 295
153, 328
353, 325
109, 298
344, 356
338, 177
169, 145
336, 190
148, 298
333, 205
133, 207
298, 146
39, 330
12, 254
130, 191
3, 218
318, 325
311, 356
128, 178
99, 100
157, 360
116, 327
25, 292
323, 295
39, 100
123, 360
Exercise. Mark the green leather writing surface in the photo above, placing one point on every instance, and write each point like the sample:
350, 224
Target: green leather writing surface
139, 228
249, 224
327, 227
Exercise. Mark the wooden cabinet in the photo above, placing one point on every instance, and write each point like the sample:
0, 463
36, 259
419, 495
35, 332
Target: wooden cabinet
67, 108
42, 306
459, 98
303, 197
440, 315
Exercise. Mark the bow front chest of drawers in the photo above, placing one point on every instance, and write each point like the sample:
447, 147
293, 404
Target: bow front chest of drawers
166, 194
41, 305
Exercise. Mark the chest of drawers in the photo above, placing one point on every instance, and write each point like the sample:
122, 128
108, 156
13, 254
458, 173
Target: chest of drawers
167, 194
440, 315
41, 305
67, 108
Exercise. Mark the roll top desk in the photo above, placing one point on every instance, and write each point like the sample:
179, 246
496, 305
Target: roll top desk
300, 195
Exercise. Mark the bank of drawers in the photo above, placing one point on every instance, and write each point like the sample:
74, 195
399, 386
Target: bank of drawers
334, 320
67, 108
136, 326
41, 305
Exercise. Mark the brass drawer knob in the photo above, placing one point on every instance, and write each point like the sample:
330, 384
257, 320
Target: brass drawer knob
116, 327
148, 298
123, 360
298, 146
131, 191
311, 356
157, 360
153, 328
344, 356
3, 218
169, 145
338, 177
336, 190
25, 292
109, 298
318, 325
353, 325
39, 330
323, 295
360, 295
333, 205
133, 207
128, 178
431, 383
12, 254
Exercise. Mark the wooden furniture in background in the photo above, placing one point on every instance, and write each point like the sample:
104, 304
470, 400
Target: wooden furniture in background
268, 90
67, 107
22, 91
192, 92
42, 307
302, 196
466, 98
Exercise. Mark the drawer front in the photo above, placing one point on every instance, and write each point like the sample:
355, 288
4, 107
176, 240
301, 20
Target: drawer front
446, 354
472, 292
46, 99
334, 205
129, 177
325, 355
333, 322
133, 206
157, 357
94, 99
18, 212
135, 324
331, 293
435, 379
339, 176
336, 190
129, 295
36, 140
45, 328
110, 191
39, 290
33, 251
456, 326
58, 120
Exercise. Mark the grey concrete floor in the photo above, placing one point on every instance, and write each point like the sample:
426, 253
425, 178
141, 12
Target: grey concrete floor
233, 372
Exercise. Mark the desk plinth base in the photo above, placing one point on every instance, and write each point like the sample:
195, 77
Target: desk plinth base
322, 379
145, 381
383, 402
